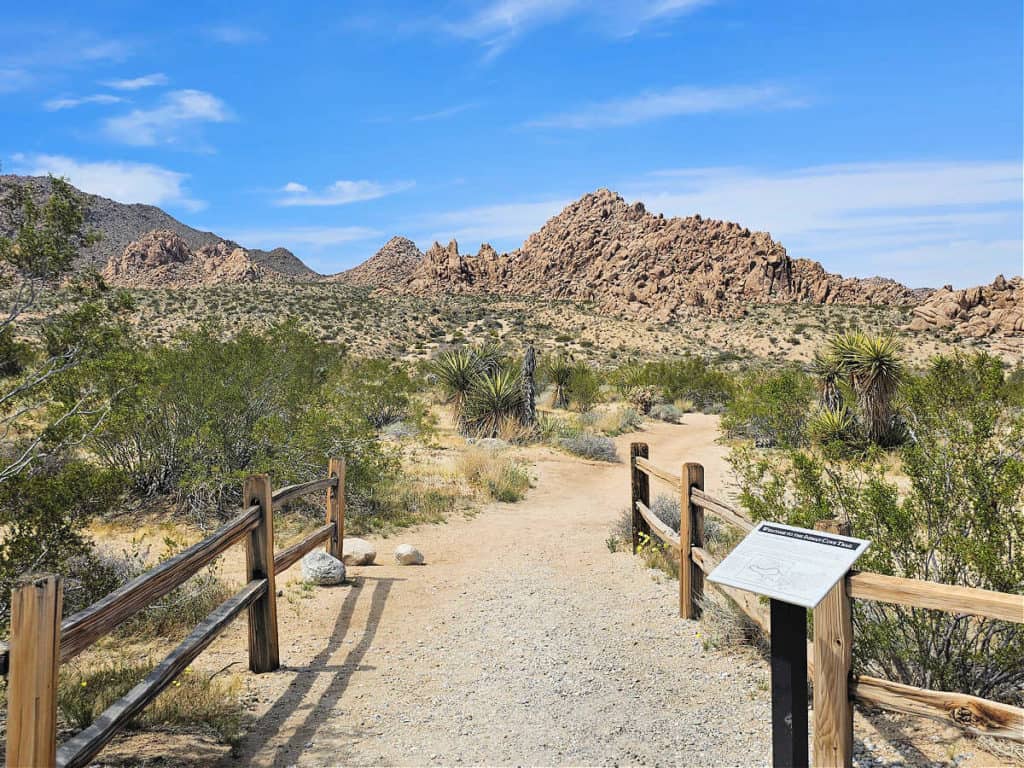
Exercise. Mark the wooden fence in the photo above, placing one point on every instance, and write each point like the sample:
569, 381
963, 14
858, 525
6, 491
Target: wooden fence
830, 653
40, 641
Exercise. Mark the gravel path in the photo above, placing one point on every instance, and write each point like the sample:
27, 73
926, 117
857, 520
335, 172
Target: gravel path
522, 641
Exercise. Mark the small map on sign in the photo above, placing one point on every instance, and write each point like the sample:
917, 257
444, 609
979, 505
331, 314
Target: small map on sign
795, 565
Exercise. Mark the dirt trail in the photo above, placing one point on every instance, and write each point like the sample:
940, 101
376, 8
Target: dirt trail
522, 641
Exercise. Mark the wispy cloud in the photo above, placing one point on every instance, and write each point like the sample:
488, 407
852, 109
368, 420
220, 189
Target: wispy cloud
443, 114
340, 192
233, 34
506, 223
174, 121
121, 181
926, 223
69, 102
500, 23
674, 102
135, 83
298, 237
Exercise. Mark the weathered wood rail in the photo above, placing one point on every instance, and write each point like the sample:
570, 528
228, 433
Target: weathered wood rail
830, 652
40, 641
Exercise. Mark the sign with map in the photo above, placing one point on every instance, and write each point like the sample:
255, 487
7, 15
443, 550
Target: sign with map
795, 565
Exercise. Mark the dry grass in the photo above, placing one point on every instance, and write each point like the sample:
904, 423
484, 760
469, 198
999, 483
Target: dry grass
501, 477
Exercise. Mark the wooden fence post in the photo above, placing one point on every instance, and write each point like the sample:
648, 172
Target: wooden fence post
833, 654
691, 534
259, 561
640, 490
336, 508
34, 661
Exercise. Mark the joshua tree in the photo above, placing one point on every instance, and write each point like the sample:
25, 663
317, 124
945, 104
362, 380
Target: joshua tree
559, 369
875, 370
529, 415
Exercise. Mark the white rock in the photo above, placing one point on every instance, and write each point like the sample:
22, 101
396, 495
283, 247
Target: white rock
318, 567
407, 554
358, 552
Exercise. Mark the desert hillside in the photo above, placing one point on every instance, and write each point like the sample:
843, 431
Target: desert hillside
391, 266
121, 224
633, 262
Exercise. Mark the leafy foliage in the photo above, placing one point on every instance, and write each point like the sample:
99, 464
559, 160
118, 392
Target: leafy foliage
960, 522
770, 407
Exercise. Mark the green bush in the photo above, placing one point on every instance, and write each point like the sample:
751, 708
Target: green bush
770, 407
584, 387
206, 412
960, 522
684, 378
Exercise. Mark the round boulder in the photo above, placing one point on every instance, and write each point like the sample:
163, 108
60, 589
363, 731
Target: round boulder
318, 567
358, 552
407, 554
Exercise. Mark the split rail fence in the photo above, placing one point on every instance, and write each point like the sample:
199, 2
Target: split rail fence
40, 641
830, 653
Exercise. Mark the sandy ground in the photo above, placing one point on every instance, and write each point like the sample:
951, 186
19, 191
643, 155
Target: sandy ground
522, 641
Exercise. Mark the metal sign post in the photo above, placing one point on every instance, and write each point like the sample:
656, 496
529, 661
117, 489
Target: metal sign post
789, 685
796, 568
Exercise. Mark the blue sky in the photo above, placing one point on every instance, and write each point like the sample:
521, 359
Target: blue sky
876, 137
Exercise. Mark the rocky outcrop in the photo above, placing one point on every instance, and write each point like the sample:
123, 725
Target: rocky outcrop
391, 266
163, 259
120, 224
978, 312
632, 262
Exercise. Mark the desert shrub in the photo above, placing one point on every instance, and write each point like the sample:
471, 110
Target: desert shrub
835, 431
501, 477
770, 407
584, 388
618, 421
666, 412
689, 377
644, 397
383, 391
44, 511
558, 371
194, 699
666, 509
590, 446
205, 412
960, 521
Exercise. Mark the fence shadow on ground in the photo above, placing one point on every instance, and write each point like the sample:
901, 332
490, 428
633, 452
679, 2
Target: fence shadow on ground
294, 698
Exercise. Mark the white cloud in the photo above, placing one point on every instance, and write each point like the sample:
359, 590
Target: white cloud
442, 114
135, 83
508, 223
298, 237
682, 100
341, 192
70, 102
501, 22
926, 223
121, 181
174, 121
233, 34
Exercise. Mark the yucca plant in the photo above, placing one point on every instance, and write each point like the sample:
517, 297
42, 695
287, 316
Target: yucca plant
875, 370
559, 370
493, 400
456, 372
831, 427
829, 372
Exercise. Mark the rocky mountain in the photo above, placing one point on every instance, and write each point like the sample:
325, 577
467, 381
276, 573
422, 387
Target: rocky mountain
120, 224
632, 262
164, 259
984, 310
391, 266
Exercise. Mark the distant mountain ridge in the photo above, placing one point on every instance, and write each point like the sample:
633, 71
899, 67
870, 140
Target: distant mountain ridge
121, 224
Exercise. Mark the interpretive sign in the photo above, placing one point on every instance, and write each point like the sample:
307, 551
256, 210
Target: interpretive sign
795, 565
